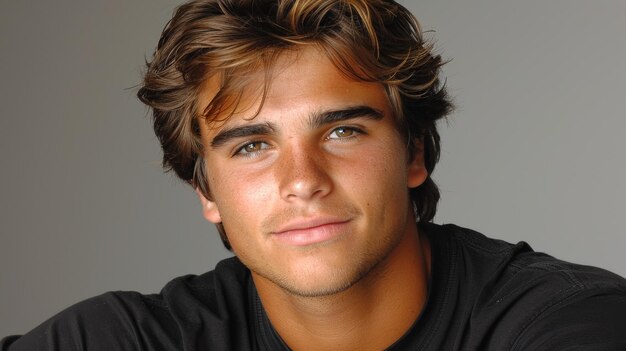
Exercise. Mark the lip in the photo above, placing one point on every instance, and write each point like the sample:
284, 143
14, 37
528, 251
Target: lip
303, 232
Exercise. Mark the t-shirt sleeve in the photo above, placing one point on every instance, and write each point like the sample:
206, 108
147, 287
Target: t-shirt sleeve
594, 323
101, 323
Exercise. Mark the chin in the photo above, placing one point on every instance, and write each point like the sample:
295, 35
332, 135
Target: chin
318, 289
321, 282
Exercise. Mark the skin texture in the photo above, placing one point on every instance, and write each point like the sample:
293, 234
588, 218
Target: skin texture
313, 195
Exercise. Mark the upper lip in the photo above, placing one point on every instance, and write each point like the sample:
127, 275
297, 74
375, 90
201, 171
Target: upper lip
308, 223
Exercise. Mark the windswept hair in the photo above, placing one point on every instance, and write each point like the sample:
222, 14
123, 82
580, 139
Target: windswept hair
368, 40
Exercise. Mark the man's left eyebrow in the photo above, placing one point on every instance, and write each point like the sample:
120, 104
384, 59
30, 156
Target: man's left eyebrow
319, 119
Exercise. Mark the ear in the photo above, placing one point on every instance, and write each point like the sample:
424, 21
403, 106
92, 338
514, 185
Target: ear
209, 209
416, 169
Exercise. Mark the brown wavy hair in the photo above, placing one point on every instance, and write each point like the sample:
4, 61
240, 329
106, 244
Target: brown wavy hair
368, 40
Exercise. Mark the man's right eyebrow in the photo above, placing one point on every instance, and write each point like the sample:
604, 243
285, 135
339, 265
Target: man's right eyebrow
241, 132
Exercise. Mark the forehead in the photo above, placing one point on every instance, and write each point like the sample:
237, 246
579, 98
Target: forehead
298, 82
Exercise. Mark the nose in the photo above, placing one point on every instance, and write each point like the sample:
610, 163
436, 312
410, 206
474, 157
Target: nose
303, 174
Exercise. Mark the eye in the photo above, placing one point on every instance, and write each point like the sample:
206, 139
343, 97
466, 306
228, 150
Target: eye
343, 133
252, 148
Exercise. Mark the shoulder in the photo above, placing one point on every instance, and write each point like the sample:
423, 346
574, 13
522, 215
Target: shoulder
501, 266
227, 281
108, 321
188, 308
527, 300
553, 304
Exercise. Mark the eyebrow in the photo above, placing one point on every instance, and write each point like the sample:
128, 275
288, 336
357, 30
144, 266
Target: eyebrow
319, 119
316, 120
241, 132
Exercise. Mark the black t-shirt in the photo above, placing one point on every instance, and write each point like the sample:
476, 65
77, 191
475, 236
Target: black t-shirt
485, 294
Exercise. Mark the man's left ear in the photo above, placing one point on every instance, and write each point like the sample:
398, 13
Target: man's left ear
209, 209
416, 170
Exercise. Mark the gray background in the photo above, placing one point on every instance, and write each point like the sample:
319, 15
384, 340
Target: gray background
533, 152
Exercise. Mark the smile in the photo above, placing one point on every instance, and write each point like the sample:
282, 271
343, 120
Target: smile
309, 232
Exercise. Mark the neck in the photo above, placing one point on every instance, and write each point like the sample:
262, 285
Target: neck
371, 315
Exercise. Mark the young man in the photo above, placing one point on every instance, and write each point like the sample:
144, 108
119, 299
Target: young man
308, 130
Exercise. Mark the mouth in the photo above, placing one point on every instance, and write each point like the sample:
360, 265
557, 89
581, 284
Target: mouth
311, 231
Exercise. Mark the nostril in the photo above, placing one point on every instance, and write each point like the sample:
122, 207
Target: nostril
304, 178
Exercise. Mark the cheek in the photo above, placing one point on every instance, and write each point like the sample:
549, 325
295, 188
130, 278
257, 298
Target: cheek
378, 175
388, 163
240, 203
240, 196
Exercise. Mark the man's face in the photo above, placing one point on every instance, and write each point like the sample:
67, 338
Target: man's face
313, 191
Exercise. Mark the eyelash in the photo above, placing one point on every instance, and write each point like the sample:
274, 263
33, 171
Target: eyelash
239, 152
355, 130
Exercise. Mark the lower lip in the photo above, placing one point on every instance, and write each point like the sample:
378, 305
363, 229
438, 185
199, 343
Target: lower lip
311, 236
